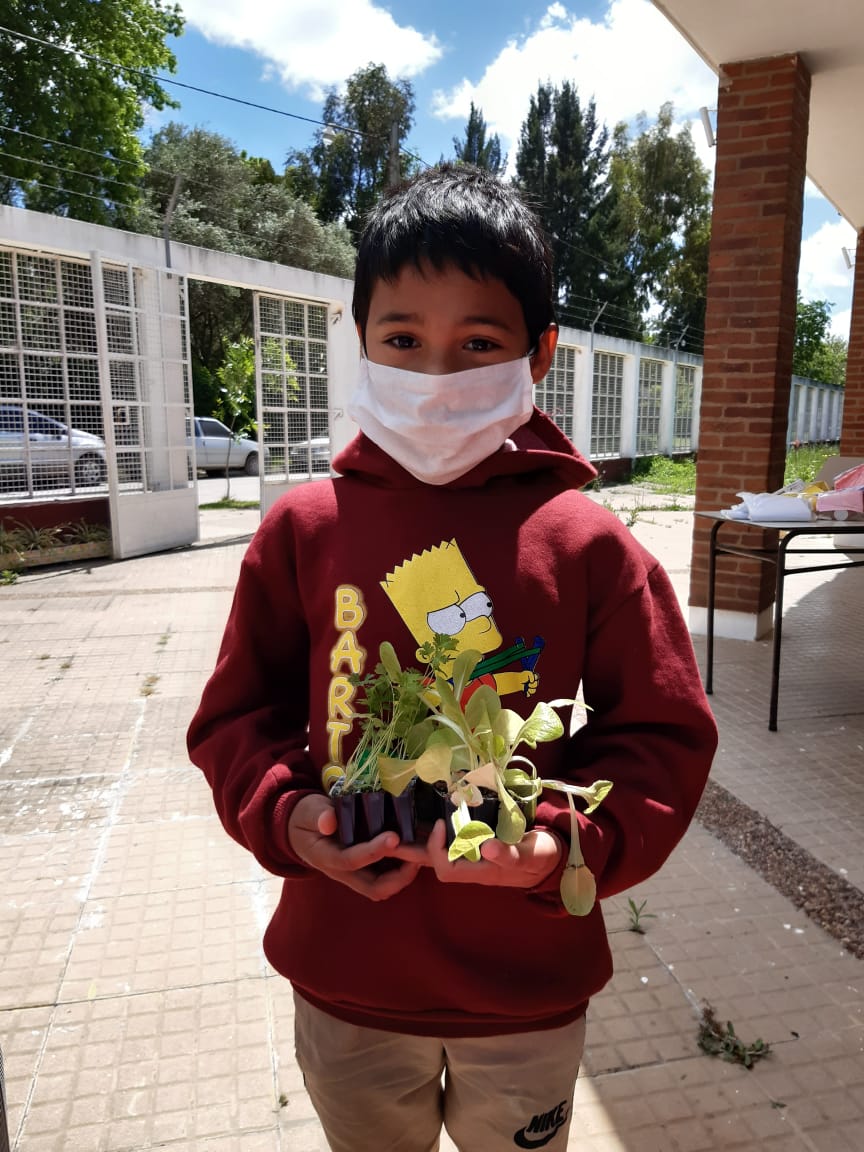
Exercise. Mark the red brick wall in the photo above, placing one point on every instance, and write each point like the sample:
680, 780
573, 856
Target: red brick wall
762, 123
852, 435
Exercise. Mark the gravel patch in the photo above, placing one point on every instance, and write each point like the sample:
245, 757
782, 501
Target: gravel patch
825, 898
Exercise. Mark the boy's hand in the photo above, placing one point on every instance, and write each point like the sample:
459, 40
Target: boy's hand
311, 833
521, 865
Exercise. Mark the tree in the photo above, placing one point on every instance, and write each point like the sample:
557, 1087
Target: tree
562, 164
236, 376
664, 200
817, 354
343, 177
234, 203
73, 99
476, 149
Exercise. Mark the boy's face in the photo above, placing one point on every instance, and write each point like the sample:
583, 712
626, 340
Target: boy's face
439, 322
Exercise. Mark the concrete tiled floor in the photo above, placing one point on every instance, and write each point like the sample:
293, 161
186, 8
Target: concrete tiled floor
137, 1010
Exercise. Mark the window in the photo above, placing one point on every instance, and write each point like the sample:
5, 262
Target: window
682, 436
554, 394
606, 404
648, 415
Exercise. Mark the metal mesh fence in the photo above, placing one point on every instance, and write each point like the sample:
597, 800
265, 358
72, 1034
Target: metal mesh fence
291, 338
648, 410
554, 394
682, 438
607, 394
55, 339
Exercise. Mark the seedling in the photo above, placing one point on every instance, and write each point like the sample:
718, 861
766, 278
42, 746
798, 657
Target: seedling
638, 914
716, 1040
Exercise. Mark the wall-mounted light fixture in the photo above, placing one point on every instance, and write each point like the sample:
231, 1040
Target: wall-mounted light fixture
847, 258
705, 115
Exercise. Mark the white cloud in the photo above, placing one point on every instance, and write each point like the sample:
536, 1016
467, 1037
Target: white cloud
630, 62
822, 272
311, 44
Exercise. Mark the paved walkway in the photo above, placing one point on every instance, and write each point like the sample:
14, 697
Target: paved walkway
137, 1010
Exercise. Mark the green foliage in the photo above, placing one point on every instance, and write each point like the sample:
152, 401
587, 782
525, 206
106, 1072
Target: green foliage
562, 163
236, 375
8, 576
817, 354
804, 461
717, 1040
394, 703
343, 179
664, 197
665, 474
74, 99
232, 203
476, 149
638, 914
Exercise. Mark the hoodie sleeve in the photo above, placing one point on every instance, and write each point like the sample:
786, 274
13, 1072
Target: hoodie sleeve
650, 731
249, 733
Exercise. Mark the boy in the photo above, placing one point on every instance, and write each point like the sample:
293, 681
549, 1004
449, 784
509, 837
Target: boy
457, 511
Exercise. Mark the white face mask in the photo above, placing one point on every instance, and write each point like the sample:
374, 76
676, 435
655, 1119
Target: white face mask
439, 427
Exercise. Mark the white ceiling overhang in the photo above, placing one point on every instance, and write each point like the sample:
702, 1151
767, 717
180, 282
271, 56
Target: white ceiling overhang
829, 36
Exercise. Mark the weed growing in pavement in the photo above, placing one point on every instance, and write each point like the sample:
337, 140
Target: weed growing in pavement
638, 914
163, 639
229, 504
717, 1040
149, 685
8, 576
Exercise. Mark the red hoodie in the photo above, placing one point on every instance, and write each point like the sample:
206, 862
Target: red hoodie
340, 565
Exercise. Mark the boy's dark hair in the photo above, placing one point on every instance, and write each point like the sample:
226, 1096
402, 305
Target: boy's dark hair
462, 216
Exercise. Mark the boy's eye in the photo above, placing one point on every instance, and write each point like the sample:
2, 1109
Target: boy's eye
479, 344
401, 341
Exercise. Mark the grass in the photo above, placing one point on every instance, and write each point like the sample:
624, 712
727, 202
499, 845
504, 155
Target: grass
677, 476
230, 504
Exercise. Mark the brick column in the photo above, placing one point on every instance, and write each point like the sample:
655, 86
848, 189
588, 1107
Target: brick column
762, 123
852, 433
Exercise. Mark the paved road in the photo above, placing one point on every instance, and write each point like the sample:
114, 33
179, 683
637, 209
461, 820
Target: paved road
243, 487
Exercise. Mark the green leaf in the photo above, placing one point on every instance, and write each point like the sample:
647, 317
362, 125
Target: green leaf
507, 725
484, 776
521, 784
390, 661
466, 844
578, 889
511, 822
395, 775
463, 666
483, 707
544, 724
434, 764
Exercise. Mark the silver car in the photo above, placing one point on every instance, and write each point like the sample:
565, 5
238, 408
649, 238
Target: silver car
217, 448
49, 450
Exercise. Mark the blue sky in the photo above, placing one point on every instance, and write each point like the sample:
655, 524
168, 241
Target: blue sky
286, 53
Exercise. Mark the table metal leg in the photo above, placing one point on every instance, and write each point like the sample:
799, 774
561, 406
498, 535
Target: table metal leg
778, 634
712, 588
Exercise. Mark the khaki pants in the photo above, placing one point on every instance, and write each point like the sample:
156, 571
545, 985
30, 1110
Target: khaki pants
377, 1091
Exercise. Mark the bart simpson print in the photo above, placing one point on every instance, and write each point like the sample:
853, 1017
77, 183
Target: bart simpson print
436, 592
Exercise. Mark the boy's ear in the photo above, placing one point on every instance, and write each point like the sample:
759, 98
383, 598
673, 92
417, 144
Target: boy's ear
541, 361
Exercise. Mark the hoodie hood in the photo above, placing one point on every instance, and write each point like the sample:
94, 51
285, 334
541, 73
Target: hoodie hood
538, 446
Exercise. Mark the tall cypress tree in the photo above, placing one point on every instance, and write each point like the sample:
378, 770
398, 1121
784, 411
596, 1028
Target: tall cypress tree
562, 163
475, 148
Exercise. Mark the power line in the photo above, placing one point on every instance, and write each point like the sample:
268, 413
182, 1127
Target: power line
106, 201
70, 171
195, 88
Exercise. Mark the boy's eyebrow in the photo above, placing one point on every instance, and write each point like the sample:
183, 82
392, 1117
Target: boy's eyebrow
414, 317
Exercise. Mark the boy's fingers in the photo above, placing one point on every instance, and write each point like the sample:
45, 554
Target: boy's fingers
327, 822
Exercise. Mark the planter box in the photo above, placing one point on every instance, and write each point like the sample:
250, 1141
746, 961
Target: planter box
62, 554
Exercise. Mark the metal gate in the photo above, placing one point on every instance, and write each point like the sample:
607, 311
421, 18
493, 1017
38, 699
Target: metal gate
292, 392
95, 393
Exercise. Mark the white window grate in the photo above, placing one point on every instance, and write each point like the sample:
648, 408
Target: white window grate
648, 414
606, 398
685, 383
294, 393
554, 394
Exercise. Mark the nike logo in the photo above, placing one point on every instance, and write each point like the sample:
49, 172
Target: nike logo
543, 1128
